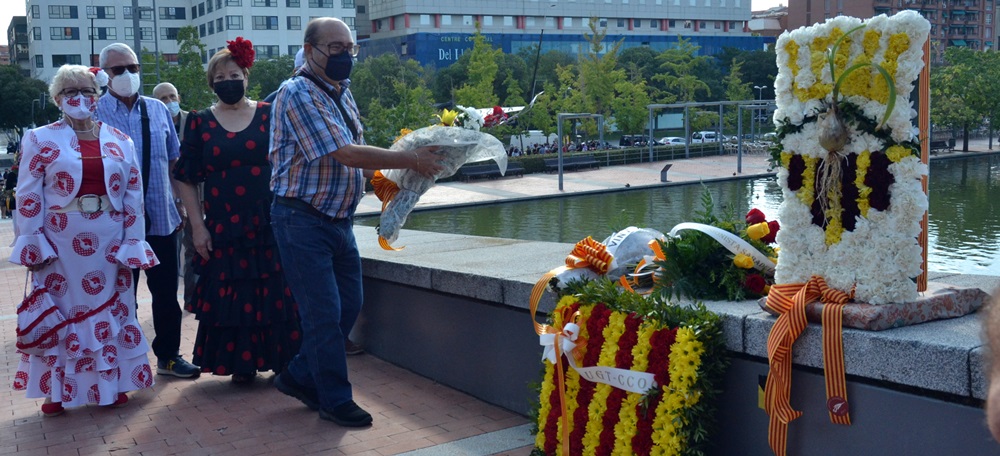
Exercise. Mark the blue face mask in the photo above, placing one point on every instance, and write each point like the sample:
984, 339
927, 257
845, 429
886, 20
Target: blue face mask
174, 108
338, 67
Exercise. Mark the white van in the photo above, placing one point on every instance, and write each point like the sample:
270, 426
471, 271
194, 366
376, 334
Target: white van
531, 138
704, 137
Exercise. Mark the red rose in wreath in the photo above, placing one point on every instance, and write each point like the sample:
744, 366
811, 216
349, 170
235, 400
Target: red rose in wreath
773, 227
755, 283
755, 216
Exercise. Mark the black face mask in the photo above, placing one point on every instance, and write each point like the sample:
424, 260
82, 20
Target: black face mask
338, 67
230, 91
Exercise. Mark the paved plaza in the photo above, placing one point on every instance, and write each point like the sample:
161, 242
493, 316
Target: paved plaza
413, 415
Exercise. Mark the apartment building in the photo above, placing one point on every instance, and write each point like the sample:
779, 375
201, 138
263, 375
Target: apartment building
75, 31
437, 33
434, 33
17, 41
965, 23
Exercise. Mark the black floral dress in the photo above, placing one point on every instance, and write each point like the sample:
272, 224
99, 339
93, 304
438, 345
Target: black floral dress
247, 319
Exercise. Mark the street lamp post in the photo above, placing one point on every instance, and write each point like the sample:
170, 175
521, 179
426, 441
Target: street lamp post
41, 106
538, 51
33, 113
760, 90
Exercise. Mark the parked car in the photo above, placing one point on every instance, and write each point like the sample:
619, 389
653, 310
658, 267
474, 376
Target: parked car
633, 141
704, 137
672, 141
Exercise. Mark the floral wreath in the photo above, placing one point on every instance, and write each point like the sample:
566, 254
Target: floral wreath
703, 263
242, 52
844, 85
680, 346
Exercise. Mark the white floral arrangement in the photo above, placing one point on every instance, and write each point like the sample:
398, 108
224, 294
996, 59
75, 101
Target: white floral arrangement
459, 141
468, 118
851, 211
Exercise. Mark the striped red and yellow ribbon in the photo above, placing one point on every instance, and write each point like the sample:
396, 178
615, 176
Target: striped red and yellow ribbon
385, 190
658, 255
587, 253
789, 302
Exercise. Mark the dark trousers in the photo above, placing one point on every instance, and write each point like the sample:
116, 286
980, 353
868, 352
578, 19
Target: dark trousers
187, 267
162, 283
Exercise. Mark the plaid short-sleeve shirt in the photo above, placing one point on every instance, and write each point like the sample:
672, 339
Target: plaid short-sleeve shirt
306, 128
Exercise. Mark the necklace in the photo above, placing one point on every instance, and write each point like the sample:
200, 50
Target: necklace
92, 129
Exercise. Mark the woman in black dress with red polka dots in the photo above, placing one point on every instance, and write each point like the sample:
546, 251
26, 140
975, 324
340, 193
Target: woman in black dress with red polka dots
247, 319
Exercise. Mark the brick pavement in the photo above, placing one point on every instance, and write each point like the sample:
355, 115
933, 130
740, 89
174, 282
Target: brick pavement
210, 416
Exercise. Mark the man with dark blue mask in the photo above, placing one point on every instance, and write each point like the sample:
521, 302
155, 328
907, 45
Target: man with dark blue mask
319, 161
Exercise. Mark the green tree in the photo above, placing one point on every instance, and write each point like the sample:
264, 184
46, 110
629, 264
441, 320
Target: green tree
189, 74
21, 97
678, 71
267, 75
569, 93
639, 63
546, 67
512, 79
736, 90
446, 81
954, 89
414, 110
376, 78
598, 74
541, 116
991, 90
513, 91
629, 105
478, 91
980, 80
759, 68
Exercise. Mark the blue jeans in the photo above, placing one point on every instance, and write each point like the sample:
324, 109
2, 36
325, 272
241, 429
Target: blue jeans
323, 268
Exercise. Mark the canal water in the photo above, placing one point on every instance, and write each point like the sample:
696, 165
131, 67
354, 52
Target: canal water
962, 237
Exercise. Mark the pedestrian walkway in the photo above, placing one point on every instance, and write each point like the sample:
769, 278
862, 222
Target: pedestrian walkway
210, 416
593, 180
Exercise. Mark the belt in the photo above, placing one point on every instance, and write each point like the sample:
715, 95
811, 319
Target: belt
86, 204
305, 207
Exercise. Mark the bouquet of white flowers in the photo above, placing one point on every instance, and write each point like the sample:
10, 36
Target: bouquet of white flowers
400, 189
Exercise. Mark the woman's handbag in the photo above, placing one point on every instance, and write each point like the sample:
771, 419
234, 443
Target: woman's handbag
40, 324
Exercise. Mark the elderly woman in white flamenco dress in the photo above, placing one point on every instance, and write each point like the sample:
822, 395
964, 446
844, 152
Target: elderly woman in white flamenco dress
80, 229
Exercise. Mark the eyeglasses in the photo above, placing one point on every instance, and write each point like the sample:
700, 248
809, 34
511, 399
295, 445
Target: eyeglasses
340, 48
87, 92
117, 70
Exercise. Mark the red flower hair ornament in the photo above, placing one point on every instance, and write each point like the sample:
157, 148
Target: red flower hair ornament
100, 76
242, 51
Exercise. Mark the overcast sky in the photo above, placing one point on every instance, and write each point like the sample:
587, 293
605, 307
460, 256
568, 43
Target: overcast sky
11, 8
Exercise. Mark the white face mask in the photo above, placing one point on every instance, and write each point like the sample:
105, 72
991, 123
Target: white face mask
80, 107
126, 84
174, 107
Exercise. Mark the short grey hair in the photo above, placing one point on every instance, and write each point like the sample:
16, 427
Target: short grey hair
117, 48
163, 87
68, 74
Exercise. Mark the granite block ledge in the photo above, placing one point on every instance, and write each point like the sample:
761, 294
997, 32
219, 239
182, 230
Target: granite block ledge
945, 356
